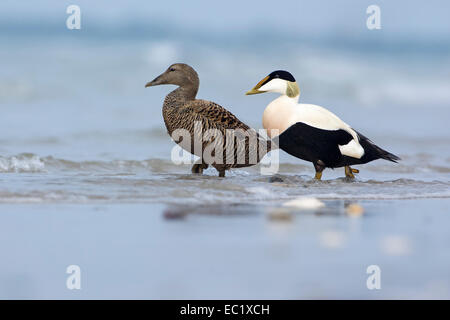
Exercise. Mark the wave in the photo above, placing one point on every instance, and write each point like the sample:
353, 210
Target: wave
207, 191
29, 162
25, 162
157, 180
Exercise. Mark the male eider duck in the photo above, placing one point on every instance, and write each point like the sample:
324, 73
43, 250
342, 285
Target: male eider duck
311, 132
181, 110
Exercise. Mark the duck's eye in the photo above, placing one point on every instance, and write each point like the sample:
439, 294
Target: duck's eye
172, 69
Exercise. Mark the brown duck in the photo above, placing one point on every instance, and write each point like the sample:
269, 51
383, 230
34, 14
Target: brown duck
225, 142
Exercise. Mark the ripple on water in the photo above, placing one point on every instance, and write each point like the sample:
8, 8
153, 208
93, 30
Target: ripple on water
47, 179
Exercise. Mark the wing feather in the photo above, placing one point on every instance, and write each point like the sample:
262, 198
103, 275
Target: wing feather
236, 143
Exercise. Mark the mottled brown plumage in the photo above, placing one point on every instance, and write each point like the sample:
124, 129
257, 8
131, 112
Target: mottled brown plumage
208, 124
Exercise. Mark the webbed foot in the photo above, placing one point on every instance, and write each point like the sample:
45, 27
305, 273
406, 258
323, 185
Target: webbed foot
319, 166
349, 172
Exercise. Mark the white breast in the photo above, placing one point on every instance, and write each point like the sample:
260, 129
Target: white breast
278, 114
284, 112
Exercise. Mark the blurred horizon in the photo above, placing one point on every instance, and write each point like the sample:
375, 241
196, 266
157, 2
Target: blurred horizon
415, 18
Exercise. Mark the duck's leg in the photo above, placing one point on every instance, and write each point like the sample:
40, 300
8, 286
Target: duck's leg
319, 168
349, 172
221, 169
198, 167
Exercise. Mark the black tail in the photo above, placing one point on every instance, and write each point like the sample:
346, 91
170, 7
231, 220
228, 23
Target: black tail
373, 152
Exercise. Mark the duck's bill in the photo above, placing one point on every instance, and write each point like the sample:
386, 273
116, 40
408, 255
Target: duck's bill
151, 83
254, 91
256, 88
156, 82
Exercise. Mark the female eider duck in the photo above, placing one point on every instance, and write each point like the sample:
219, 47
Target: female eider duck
241, 145
311, 132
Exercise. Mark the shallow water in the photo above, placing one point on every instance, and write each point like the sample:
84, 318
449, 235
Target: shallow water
86, 176
31, 178
229, 252
148, 229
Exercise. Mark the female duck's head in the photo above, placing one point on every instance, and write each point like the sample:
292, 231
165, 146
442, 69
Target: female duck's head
279, 81
179, 74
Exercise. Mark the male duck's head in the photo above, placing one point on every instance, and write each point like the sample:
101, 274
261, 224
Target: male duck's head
279, 81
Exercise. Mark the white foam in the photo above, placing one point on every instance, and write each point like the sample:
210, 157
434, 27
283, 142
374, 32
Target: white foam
21, 163
305, 203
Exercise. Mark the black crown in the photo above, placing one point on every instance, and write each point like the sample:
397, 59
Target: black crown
281, 74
